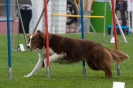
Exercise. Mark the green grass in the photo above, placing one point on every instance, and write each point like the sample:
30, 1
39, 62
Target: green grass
62, 75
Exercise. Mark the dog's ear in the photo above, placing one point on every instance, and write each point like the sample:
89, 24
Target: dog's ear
44, 35
38, 31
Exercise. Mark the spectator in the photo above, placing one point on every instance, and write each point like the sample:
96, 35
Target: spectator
123, 8
118, 3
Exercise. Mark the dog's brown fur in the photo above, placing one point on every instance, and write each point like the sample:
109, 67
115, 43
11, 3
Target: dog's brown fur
97, 56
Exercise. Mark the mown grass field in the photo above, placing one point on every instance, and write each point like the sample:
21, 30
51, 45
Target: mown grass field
63, 75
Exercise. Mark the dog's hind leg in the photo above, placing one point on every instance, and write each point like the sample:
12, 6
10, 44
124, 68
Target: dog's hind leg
37, 67
92, 65
100, 66
100, 59
108, 73
107, 69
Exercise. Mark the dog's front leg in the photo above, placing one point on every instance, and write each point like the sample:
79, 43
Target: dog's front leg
37, 67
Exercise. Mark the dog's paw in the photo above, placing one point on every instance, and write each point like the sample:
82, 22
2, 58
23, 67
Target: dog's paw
29, 75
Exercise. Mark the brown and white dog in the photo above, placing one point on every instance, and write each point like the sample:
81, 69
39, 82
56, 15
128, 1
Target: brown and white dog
68, 50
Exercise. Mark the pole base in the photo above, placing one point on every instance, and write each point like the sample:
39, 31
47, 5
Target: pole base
48, 72
84, 71
10, 73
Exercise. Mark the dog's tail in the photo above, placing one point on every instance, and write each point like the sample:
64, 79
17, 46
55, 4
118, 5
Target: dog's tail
119, 56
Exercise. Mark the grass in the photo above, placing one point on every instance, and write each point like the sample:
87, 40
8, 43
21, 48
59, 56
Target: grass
63, 76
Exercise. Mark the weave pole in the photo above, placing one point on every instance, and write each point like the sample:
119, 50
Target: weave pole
47, 40
8, 39
82, 31
115, 34
114, 25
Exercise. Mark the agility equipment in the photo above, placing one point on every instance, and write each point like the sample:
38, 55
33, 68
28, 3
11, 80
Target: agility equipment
9, 43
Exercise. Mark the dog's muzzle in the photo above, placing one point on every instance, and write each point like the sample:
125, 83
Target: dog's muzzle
30, 48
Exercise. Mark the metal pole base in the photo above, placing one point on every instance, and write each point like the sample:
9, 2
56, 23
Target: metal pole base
118, 69
10, 73
84, 71
48, 72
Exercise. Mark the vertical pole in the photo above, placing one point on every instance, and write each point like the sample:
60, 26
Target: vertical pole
115, 34
114, 25
82, 31
104, 31
47, 40
8, 38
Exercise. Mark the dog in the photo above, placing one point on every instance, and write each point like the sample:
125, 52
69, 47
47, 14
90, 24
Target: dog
68, 50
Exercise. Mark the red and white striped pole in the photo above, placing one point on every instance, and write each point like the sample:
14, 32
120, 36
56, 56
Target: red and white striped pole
114, 25
115, 34
47, 41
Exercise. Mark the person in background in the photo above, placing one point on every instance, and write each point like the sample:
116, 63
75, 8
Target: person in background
117, 7
123, 9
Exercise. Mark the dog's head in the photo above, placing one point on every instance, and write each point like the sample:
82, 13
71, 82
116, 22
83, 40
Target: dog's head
36, 41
